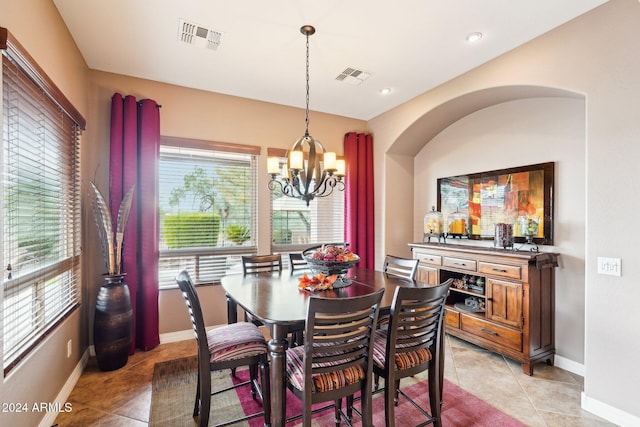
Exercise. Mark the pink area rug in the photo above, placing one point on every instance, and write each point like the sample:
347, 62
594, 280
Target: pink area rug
460, 409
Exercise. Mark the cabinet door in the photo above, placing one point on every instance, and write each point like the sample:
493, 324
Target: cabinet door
504, 302
427, 274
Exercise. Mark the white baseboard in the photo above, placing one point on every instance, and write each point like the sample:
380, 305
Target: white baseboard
181, 335
177, 336
594, 406
609, 413
65, 392
569, 365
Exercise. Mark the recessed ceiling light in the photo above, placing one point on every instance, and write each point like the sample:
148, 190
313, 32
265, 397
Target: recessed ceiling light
385, 91
474, 37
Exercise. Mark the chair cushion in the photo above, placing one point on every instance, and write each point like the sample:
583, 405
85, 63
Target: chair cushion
321, 382
235, 341
402, 360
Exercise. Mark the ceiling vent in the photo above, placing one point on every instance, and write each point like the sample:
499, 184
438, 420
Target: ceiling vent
353, 76
197, 35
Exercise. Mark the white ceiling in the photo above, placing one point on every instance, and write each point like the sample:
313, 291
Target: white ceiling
408, 47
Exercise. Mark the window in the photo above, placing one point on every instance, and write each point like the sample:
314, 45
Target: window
207, 208
40, 215
296, 226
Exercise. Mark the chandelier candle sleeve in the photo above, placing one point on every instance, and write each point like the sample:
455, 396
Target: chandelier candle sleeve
273, 165
330, 161
296, 160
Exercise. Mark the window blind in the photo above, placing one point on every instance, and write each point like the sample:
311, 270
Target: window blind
40, 207
296, 226
207, 202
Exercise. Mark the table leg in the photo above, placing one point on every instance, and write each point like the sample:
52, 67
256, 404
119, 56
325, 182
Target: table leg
277, 348
232, 310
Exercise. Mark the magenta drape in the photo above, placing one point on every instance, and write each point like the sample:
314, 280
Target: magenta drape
134, 154
359, 208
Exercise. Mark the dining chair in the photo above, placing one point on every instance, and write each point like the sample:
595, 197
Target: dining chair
297, 262
256, 264
252, 264
411, 344
336, 359
401, 267
230, 346
405, 268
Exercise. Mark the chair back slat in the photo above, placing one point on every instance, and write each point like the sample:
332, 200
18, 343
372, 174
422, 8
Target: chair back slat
400, 267
297, 261
254, 264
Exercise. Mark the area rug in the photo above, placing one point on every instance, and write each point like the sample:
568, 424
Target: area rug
174, 387
460, 408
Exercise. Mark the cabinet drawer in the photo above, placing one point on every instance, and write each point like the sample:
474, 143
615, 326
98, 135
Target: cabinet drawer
429, 258
503, 336
452, 318
511, 271
459, 263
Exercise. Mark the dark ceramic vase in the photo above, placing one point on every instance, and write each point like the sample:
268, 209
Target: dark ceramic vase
113, 324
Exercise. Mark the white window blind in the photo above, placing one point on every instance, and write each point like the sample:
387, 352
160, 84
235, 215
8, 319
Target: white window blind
296, 226
40, 212
207, 208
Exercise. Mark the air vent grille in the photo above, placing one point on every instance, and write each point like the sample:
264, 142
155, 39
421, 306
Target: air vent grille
197, 35
353, 76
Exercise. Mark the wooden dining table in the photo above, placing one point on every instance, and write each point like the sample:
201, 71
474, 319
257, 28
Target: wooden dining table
274, 299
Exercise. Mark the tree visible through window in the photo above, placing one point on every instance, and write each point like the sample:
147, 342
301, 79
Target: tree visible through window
207, 211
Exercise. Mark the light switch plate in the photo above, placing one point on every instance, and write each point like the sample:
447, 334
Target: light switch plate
610, 266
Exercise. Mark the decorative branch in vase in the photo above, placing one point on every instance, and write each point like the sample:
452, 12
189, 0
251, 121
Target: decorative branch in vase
110, 242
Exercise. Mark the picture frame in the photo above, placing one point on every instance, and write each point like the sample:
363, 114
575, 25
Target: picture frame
521, 196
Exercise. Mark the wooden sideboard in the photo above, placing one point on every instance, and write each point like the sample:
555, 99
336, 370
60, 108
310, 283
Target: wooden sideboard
502, 300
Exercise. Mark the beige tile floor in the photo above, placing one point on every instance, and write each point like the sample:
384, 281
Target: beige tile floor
551, 397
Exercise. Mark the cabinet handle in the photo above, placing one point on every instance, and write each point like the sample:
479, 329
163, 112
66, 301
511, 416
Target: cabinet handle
460, 263
488, 331
499, 270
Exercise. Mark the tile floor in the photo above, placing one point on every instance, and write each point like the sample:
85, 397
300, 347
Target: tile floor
551, 397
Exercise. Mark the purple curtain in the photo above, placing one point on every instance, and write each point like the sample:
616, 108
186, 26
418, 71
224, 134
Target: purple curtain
134, 153
359, 208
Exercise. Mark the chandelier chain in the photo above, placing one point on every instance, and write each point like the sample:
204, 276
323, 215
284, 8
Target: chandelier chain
307, 99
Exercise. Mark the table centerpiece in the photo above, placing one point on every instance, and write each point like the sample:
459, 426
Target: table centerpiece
331, 260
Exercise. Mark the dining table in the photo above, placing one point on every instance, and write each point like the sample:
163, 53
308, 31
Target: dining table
277, 302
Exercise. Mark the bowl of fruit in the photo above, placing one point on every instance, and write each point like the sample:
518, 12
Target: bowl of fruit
330, 259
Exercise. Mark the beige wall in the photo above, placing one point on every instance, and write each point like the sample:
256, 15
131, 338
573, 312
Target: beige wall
596, 56
40, 377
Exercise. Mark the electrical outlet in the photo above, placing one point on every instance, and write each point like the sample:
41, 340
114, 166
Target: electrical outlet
69, 348
610, 266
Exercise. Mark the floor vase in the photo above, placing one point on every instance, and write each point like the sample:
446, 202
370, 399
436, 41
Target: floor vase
113, 324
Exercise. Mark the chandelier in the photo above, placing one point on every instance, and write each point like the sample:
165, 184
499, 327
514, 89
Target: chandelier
302, 177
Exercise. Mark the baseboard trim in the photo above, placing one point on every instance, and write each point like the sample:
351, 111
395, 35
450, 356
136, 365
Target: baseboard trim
608, 412
569, 365
65, 392
176, 336
181, 335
